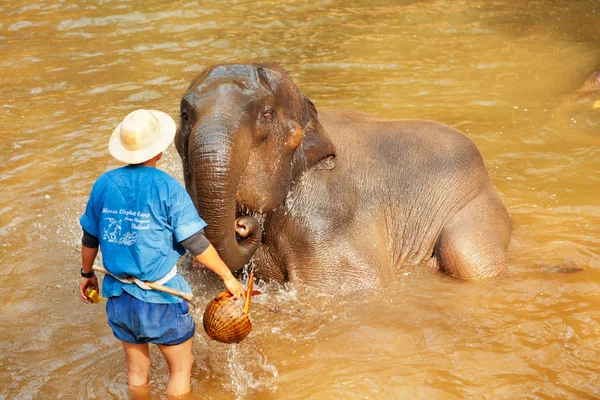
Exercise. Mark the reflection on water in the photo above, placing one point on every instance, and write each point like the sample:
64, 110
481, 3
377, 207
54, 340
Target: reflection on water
498, 71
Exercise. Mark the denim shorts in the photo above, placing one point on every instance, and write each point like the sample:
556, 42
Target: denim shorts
136, 321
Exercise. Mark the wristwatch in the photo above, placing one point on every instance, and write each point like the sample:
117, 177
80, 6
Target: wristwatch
87, 274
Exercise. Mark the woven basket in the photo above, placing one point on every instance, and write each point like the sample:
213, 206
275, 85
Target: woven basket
226, 320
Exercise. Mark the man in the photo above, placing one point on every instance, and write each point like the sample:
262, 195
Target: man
144, 220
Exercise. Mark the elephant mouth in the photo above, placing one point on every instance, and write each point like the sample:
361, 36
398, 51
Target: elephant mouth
248, 223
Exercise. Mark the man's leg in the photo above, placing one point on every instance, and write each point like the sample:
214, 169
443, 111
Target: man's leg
138, 368
180, 360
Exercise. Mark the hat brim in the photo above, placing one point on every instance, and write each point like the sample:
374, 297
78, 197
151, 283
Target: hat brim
167, 130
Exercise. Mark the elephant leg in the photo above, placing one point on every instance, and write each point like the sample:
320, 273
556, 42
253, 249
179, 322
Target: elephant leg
473, 242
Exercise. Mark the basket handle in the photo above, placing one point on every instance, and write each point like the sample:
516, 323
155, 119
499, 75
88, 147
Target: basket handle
249, 293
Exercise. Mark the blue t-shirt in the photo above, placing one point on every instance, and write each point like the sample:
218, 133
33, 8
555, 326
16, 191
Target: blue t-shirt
139, 215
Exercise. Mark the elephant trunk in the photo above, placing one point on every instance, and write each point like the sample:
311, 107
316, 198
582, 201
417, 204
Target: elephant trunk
217, 163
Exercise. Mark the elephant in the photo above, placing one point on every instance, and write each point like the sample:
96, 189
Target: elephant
332, 197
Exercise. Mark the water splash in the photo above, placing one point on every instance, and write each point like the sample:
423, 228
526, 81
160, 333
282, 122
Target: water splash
249, 370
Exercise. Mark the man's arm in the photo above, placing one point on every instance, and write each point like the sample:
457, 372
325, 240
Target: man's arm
88, 256
204, 252
210, 258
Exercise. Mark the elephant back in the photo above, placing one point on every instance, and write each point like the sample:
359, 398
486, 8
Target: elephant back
226, 321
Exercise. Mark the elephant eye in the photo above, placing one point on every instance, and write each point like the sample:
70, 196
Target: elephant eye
268, 114
184, 116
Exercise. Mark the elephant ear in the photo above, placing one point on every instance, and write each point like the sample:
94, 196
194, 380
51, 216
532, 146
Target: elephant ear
316, 151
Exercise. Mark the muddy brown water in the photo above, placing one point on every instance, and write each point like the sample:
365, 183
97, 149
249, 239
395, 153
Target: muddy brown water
496, 70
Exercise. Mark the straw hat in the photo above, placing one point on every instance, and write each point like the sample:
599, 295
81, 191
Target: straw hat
142, 135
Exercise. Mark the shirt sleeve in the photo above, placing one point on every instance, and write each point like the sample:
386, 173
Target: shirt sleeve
196, 244
88, 240
184, 218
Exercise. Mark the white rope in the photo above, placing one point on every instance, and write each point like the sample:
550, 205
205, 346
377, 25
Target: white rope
170, 275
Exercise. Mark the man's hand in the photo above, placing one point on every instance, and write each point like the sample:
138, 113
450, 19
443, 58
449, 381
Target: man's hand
235, 287
88, 255
84, 284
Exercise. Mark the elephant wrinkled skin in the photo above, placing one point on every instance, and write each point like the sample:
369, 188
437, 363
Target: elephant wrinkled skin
332, 197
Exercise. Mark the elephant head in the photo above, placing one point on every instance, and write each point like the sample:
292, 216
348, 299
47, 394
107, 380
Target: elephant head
246, 135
